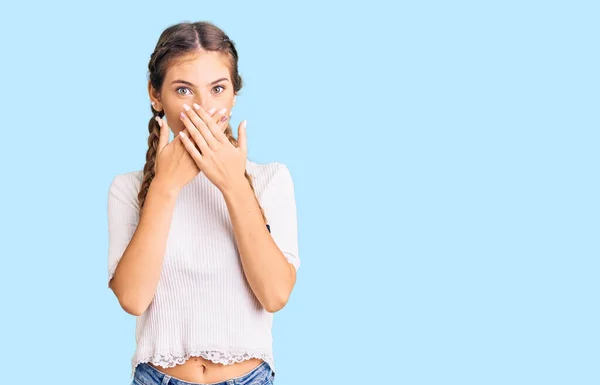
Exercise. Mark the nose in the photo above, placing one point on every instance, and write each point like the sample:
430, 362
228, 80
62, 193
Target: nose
203, 102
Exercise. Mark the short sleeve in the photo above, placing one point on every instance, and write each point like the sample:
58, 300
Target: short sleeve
123, 218
279, 204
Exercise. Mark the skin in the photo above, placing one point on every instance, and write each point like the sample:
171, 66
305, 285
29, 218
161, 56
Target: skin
267, 271
201, 70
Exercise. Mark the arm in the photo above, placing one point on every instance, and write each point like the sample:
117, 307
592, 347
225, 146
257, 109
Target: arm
135, 277
269, 271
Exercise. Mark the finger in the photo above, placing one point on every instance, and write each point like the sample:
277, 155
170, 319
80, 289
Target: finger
201, 124
221, 119
199, 131
242, 143
178, 150
187, 133
212, 112
191, 148
194, 134
163, 137
211, 122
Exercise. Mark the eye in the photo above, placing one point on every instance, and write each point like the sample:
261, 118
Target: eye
220, 87
181, 88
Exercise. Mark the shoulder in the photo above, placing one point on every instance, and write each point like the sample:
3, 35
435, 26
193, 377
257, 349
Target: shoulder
128, 179
271, 181
126, 185
265, 174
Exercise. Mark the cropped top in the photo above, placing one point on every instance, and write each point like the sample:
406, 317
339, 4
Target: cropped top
203, 305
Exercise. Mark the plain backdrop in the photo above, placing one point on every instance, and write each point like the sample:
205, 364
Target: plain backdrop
445, 162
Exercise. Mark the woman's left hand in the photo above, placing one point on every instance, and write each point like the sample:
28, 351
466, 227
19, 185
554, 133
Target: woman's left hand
223, 163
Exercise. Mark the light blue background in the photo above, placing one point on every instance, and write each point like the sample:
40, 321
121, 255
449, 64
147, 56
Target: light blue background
445, 161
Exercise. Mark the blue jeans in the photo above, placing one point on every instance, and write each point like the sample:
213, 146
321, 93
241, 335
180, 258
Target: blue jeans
148, 375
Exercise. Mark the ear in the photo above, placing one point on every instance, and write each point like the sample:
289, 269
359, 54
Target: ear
154, 97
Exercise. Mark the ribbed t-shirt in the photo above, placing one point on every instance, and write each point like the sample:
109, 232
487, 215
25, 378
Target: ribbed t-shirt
203, 305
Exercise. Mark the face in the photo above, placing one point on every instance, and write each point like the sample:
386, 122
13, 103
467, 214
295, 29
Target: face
203, 79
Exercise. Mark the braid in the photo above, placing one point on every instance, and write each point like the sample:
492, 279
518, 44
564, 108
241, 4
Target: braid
149, 170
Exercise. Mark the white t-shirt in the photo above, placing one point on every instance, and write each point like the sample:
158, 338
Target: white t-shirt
203, 305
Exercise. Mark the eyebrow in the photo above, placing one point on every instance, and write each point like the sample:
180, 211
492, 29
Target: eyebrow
193, 85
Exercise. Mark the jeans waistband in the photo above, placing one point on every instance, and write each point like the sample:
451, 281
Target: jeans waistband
146, 374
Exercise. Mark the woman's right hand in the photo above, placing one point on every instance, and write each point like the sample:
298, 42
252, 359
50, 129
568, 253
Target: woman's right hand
173, 165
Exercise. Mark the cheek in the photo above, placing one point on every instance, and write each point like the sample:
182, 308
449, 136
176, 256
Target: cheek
172, 114
174, 120
172, 110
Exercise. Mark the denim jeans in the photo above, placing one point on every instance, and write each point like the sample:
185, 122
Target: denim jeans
148, 375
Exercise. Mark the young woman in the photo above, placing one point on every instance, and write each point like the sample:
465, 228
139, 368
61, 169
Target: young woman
203, 243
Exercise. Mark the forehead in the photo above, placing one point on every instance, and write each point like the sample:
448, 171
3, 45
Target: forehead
198, 68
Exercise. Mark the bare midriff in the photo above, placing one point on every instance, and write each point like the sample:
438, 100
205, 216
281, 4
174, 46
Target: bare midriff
198, 369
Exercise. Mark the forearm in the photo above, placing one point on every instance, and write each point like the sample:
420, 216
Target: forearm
269, 274
138, 272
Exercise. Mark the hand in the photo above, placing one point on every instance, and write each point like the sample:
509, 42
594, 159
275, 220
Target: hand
222, 163
173, 164
211, 112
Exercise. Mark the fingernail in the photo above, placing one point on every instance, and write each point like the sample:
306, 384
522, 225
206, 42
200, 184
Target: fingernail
224, 118
222, 110
186, 107
212, 111
196, 106
158, 120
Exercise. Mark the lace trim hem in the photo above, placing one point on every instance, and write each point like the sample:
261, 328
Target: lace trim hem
169, 360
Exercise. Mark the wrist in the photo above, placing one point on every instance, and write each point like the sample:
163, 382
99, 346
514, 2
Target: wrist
235, 186
163, 188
